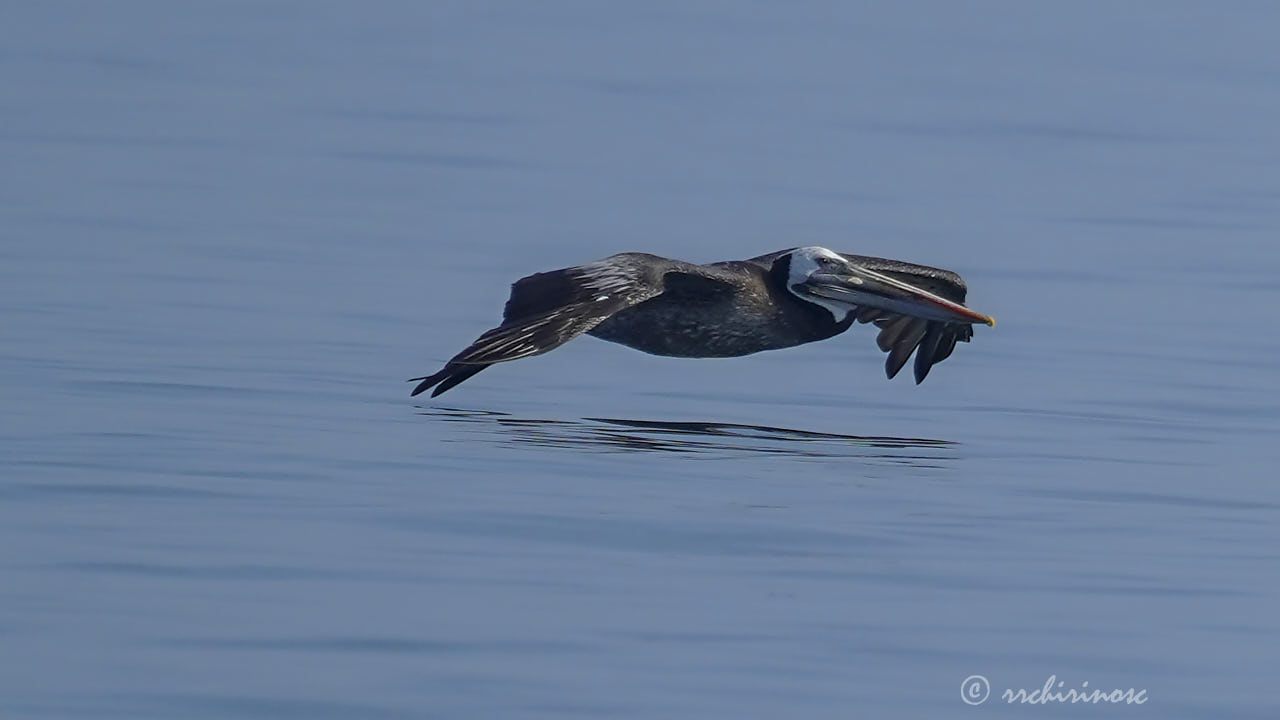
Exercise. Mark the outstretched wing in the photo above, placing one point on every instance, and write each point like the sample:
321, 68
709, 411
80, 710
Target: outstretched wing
901, 335
548, 309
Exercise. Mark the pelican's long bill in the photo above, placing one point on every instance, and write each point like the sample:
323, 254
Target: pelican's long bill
862, 287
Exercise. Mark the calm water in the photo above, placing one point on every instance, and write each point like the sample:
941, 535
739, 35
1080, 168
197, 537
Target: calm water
230, 231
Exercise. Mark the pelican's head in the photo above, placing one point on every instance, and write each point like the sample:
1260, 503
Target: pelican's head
840, 285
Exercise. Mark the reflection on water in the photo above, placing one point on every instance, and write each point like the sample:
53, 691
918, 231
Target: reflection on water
616, 434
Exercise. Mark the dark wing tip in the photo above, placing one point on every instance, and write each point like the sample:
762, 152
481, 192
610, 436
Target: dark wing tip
427, 382
451, 375
927, 353
931, 343
900, 339
460, 374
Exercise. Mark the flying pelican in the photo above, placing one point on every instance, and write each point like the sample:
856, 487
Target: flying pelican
726, 309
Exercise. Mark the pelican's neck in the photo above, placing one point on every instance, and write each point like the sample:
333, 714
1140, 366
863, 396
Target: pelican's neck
792, 270
839, 311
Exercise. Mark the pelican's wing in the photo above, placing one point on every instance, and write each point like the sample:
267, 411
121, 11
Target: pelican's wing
900, 335
548, 309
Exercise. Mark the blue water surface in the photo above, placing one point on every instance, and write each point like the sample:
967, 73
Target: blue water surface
230, 231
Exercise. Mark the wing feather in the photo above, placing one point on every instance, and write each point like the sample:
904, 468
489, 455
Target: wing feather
902, 338
548, 309
927, 352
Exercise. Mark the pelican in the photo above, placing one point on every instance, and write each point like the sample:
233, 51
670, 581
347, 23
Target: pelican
726, 309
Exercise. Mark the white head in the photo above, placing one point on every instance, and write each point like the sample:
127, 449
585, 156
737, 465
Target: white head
806, 262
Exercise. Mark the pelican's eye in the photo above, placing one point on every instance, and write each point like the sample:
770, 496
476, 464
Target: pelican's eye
825, 261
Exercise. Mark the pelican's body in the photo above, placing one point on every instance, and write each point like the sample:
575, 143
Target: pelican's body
720, 310
726, 309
